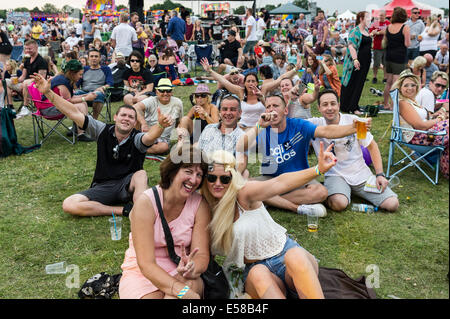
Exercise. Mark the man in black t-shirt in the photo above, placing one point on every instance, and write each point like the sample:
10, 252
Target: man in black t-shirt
231, 50
139, 84
216, 30
33, 63
119, 175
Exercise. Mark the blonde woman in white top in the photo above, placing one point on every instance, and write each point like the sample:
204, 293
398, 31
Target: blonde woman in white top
269, 262
415, 116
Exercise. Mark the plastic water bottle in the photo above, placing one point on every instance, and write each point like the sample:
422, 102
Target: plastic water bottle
364, 208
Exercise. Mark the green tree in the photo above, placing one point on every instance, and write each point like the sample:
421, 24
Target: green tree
3, 14
36, 9
21, 9
445, 11
270, 7
49, 8
239, 10
302, 4
120, 7
167, 5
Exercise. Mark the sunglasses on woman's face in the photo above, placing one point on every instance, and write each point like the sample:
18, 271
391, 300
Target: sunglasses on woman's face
203, 95
224, 179
137, 61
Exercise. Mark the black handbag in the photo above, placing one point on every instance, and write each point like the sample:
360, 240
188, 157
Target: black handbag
215, 283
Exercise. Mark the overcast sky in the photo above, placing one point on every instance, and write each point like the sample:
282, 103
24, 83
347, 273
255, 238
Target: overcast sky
327, 5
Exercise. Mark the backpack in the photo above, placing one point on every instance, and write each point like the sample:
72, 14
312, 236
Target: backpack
8, 135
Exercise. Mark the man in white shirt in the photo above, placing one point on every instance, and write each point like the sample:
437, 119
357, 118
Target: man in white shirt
261, 26
79, 29
427, 96
441, 59
250, 33
351, 173
72, 40
123, 36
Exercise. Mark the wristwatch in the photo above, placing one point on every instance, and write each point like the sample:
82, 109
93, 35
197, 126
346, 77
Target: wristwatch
381, 174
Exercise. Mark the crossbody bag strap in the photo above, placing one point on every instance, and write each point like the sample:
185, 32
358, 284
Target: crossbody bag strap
169, 240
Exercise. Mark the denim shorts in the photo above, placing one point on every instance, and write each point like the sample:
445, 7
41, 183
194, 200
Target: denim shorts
276, 263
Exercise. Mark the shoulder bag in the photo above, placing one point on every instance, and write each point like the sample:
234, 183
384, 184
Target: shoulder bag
215, 283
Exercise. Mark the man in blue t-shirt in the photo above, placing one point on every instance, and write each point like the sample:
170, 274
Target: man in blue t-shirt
284, 143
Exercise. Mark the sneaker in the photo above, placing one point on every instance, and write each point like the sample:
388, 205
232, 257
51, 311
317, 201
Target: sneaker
157, 158
84, 138
376, 92
318, 209
24, 111
374, 80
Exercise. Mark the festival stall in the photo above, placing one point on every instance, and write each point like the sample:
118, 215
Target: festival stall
215, 9
103, 10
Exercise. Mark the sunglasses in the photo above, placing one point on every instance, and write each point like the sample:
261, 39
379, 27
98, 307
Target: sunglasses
438, 85
416, 12
224, 179
202, 95
165, 91
116, 152
135, 61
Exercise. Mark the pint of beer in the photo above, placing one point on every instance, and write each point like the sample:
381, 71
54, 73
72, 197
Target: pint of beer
14, 80
361, 129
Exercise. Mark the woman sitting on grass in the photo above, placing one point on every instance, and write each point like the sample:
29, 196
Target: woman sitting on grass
148, 271
415, 116
242, 230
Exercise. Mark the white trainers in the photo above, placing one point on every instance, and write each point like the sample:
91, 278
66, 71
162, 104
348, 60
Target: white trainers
318, 209
24, 111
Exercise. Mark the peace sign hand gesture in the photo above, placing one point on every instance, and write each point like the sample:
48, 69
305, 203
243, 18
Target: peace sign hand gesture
186, 267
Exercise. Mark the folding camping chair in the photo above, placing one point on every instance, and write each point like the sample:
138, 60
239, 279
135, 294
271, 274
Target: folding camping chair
40, 120
17, 53
202, 51
414, 154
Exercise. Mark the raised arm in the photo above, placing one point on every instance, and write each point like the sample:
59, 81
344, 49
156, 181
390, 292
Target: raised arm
140, 110
156, 130
261, 190
337, 131
64, 106
235, 89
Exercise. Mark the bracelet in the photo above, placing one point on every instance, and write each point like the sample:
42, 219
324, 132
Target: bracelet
159, 124
258, 127
380, 174
83, 99
183, 292
317, 170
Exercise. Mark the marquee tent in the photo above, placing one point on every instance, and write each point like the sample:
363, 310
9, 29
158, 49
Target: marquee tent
289, 8
405, 4
347, 15
434, 10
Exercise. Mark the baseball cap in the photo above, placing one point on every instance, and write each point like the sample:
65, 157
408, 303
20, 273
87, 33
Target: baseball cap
164, 84
232, 32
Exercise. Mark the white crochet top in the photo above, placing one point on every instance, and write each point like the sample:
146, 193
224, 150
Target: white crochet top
256, 236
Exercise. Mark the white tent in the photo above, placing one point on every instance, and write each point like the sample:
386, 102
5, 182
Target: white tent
434, 10
347, 15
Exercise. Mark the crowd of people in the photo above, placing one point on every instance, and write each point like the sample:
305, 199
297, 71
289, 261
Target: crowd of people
267, 82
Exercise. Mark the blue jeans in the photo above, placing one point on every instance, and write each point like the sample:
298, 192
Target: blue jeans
100, 96
412, 53
276, 263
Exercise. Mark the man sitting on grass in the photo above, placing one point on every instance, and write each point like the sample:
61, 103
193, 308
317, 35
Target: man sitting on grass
119, 175
351, 172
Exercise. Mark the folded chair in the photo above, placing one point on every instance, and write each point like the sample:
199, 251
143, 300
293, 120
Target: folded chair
17, 53
414, 155
41, 121
203, 51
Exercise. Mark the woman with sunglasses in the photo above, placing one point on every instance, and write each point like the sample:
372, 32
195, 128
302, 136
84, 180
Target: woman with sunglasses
148, 271
202, 112
137, 80
258, 251
413, 115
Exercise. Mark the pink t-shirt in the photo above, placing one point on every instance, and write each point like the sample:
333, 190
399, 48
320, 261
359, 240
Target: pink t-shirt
133, 283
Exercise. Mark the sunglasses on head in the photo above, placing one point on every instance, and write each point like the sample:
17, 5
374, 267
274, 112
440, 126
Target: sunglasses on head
202, 95
165, 91
224, 179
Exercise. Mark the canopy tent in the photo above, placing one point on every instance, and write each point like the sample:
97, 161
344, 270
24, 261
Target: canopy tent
405, 4
434, 10
289, 8
347, 15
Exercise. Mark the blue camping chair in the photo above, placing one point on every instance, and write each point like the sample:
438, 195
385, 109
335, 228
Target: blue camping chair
203, 51
17, 53
414, 154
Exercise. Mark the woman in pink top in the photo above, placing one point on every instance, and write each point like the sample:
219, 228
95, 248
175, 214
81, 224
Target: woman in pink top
148, 272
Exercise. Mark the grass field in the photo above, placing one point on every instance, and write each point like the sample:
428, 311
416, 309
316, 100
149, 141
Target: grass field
407, 249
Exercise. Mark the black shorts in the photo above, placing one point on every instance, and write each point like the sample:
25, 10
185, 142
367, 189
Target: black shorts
110, 192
